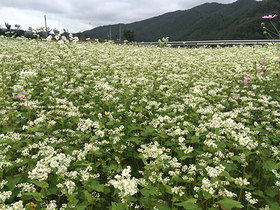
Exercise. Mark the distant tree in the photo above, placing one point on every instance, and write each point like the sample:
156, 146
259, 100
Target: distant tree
17, 26
79, 34
56, 31
39, 31
66, 32
129, 35
8, 26
18, 31
30, 28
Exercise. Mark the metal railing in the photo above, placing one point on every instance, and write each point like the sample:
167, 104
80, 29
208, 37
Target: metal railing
215, 42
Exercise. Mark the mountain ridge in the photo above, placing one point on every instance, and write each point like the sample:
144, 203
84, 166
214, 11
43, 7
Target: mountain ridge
208, 21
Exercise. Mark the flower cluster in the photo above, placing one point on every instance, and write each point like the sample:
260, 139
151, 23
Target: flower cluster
196, 128
126, 184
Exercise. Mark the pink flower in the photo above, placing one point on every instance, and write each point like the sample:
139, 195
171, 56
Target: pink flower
269, 16
262, 60
258, 67
261, 73
236, 96
22, 94
246, 80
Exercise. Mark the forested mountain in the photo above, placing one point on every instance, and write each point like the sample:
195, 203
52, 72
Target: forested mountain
210, 21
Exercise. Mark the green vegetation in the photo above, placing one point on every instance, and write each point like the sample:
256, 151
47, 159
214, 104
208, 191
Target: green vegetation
105, 126
129, 35
210, 21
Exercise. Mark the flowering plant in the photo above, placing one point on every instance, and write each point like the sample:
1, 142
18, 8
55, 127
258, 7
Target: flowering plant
268, 32
21, 94
193, 130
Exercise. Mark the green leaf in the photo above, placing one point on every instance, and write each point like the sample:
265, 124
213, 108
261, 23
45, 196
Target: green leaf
112, 167
162, 206
110, 123
144, 201
153, 191
28, 207
119, 169
258, 192
217, 131
119, 206
96, 186
133, 127
101, 125
89, 198
194, 139
271, 191
230, 204
81, 206
270, 165
189, 205
73, 202
255, 180
41, 184
12, 181
35, 129
7, 141
236, 158
185, 156
53, 190
6, 128
35, 195
274, 206
134, 139
138, 109
99, 188
145, 192
226, 174
269, 200
149, 130
168, 189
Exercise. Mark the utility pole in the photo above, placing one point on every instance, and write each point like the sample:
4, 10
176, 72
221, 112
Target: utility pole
46, 26
120, 32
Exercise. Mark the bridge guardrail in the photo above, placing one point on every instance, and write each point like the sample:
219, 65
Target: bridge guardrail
215, 42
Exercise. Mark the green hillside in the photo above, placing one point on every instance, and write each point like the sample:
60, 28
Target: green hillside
209, 21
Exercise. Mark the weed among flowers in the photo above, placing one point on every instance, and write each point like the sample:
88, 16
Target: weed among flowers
105, 126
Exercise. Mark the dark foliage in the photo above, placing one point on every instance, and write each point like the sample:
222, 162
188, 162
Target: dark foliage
210, 21
129, 35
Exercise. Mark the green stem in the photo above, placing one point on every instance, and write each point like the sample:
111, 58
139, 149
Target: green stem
240, 194
275, 28
28, 116
4, 100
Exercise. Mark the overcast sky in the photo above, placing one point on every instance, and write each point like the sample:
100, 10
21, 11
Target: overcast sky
81, 15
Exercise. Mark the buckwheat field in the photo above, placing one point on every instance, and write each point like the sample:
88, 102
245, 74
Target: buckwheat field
89, 125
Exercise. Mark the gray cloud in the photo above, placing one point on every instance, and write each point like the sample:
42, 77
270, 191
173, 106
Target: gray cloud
80, 15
